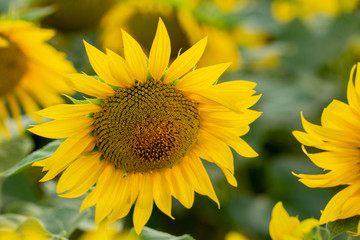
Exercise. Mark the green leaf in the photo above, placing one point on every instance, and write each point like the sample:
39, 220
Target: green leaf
342, 225
33, 157
14, 150
151, 234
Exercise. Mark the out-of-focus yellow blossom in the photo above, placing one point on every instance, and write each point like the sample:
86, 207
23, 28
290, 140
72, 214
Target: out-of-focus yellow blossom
286, 10
284, 227
181, 22
107, 231
30, 229
230, 5
31, 73
232, 235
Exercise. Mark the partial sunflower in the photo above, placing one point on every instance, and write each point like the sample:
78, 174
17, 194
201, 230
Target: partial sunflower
141, 139
182, 24
22, 229
284, 227
286, 10
108, 232
31, 73
339, 144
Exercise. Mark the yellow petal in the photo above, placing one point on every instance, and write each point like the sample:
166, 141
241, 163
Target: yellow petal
281, 223
182, 190
326, 134
28, 103
144, 203
66, 153
230, 119
160, 52
123, 199
306, 226
218, 97
57, 129
15, 111
68, 111
330, 179
109, 184
334, 209
135, 56
352, 95
120, 69
194, 170
214, 150
162, 194
202, 78
99, 63
229, 176
307, 139
4, 118
80, 176
88, 85
186, 61
228, 137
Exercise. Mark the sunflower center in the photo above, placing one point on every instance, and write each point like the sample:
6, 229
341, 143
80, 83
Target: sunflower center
146, 127
12, 67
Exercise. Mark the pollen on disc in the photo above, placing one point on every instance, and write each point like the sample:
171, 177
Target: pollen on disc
146, 127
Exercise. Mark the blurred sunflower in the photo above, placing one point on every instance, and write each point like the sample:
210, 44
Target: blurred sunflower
284, 227
108, 232
339, 142
182, 24
141, 138
28, 229
31, 73
286, 10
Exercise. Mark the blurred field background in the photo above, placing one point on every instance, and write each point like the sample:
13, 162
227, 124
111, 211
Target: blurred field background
298, 52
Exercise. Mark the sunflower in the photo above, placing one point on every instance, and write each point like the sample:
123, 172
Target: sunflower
142, 137
285, 10
25, 229
108, 232
182, 22
30, 72
338, 143
283, 227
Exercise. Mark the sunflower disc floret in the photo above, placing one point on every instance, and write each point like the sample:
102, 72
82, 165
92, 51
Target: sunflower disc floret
145, 127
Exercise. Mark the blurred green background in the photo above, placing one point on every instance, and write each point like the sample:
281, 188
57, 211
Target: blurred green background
299, 65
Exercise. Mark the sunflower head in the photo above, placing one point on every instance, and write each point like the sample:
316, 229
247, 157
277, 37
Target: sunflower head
31, 73
140, 140
167, 123
336, 143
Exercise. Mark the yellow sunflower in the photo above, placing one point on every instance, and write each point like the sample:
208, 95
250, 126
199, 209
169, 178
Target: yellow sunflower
285, 10
28, 229
284, 227
338, 141
182, 24
108, 232
30, 72
141, 138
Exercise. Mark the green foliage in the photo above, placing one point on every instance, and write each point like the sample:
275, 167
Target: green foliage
40, 154
151, 234
342, 225
14, 150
